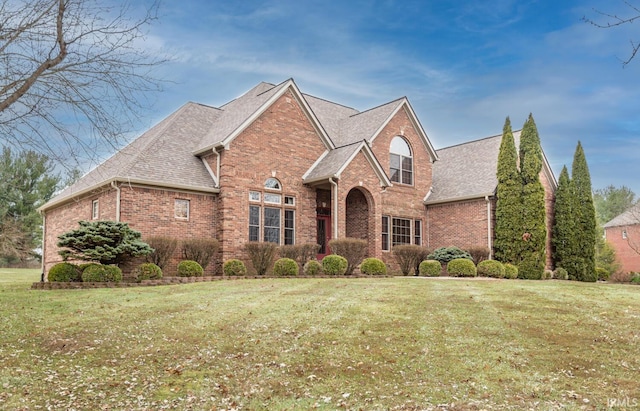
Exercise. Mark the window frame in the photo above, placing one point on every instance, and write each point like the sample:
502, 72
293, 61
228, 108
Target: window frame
177, 209
390, 230
95, 209
399, 174
265, 201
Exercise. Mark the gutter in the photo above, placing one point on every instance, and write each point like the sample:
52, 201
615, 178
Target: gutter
457, 199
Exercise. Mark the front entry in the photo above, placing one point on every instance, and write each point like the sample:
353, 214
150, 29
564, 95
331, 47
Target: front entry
323, 224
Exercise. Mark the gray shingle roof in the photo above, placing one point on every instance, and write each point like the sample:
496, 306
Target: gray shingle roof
466, 170
331, 163
162, 155
629, 217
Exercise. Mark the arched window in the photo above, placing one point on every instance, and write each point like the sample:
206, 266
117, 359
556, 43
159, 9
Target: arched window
400, 161
272, 184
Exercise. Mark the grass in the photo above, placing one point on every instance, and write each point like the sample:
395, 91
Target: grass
387, 343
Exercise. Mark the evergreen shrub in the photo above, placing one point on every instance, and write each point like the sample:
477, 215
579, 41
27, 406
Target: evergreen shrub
261, 255
234, 267
190, 268
603, 273
560, 274
353, 250
64, 273
430, 268
446, 254
99, 273
491, 268
285, 267
334, 264
373, 266
312, 267
547, 275
462, 267
510, 271
148, 271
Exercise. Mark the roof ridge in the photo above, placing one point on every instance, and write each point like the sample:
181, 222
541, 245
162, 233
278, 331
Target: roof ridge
475, 141
329, 101
378, 106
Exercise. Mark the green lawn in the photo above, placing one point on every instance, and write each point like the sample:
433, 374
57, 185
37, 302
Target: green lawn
387, 343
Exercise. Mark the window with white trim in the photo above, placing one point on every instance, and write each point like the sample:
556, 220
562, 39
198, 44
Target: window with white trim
417, 232
399, 231
624, 234
400, 161
385, 233
95, 209
181, 209
269, 219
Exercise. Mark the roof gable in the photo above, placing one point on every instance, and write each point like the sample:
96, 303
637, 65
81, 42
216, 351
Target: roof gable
629, 217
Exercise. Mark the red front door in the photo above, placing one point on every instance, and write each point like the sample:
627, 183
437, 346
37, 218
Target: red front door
324, 235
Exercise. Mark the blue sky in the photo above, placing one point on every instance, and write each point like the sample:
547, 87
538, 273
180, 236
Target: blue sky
465, 66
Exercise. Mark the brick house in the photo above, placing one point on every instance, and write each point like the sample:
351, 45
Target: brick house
623, 233
279, 165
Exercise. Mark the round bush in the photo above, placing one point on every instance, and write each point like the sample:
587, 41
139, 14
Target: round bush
190, 268
234, 267
430, 268
285, 267
635, 278
148, 271
373, 266
510, 271
99, 273
334, 264
64, 273
462, 267
491, 268
603, 273
312, 267
560, 274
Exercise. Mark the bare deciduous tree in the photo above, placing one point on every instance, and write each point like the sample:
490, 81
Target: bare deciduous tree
73, 74
613, 20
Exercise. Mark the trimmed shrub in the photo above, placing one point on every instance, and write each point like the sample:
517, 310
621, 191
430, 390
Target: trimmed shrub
409, 257
301, 253
621, 277
510, 271
234, 267
64, 273
446, 254
261, 256
603, 273
334, 264
99, 273
312, 267
163, 250
353, 250
462, 267
285, 267
560, 274
491, 268
530, 268
479, 254
635, 278
373, 266
148, 271
200, 250
190, 268
430, 268
547, 275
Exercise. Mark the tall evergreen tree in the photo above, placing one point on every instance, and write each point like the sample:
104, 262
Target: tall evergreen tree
534, 230
563, 238
585, 216
508, 231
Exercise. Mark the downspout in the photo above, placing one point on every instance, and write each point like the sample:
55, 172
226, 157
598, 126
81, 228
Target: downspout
44, 229
115, 185
334, 212
489, 236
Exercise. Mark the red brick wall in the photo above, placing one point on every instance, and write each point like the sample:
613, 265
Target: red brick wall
625, 253
462, 224
66, 217
148, 210
281, 143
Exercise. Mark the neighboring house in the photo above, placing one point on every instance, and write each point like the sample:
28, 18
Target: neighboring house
623, 233
279, 165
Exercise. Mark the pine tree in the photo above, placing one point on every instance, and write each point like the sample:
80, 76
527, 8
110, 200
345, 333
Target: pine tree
534, 231
585, 216
563, 238
508, 207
